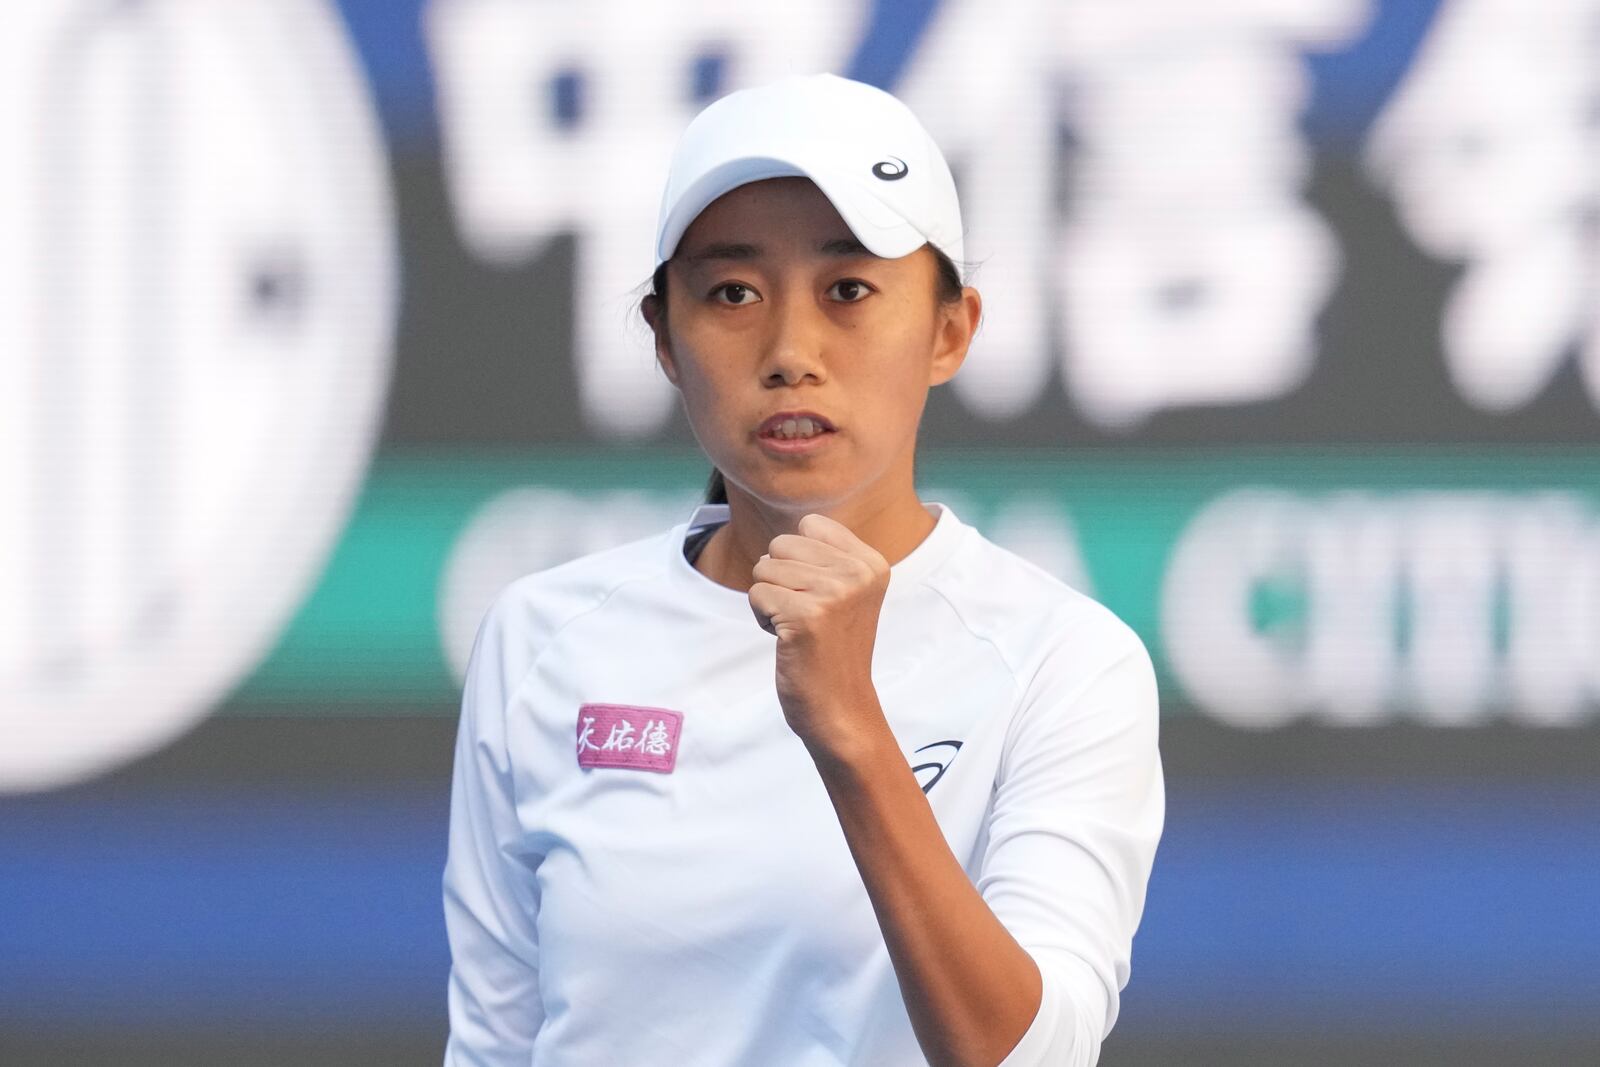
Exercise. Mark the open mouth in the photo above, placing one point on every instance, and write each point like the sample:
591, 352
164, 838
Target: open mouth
800, 429
788, 434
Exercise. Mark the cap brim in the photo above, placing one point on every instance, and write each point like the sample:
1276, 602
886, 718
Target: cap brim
881, 230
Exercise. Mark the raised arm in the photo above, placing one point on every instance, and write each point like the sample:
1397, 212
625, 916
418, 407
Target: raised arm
1022, 968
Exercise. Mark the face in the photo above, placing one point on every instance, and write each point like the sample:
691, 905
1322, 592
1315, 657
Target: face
773, 306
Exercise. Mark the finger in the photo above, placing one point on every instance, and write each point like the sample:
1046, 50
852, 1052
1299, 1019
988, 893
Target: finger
765, 622
831, 531
836, 535
790, 573
769, 602
772, 599
801, 547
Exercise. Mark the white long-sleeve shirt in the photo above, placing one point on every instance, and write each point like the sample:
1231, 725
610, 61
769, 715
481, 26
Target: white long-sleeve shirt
644, 865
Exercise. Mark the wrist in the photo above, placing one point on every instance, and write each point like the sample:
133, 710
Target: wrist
861, 744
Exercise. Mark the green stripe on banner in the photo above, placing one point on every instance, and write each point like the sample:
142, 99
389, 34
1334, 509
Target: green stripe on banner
369, 634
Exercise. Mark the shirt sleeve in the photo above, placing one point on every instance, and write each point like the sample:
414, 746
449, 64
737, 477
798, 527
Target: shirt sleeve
490, 895
1078, 810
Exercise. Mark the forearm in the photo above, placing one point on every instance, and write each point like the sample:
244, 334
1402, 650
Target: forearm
970, 989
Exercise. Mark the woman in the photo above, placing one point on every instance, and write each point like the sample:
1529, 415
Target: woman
821, 775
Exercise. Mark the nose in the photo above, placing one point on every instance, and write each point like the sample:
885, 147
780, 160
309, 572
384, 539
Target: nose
795, 342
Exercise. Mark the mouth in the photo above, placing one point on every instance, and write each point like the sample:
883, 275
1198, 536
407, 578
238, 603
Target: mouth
792, 424
794, 431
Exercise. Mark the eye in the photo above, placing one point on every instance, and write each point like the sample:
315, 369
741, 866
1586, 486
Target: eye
735, 294
850, 290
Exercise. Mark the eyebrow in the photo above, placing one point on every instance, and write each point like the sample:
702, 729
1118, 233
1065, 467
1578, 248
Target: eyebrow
839, 246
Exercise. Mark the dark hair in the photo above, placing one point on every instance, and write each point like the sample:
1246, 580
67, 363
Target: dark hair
949, 293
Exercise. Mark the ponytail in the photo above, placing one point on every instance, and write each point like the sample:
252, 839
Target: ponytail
716, 489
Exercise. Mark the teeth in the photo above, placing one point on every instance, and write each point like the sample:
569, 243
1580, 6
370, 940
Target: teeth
796, 428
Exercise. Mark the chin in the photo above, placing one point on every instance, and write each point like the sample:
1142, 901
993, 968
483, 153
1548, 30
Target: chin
791, 494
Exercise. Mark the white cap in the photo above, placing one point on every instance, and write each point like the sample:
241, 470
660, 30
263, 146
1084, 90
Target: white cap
862, 147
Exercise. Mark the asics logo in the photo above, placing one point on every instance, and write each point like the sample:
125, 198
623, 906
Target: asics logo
887, 170
937, 768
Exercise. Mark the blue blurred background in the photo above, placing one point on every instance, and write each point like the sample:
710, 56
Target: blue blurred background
318, 325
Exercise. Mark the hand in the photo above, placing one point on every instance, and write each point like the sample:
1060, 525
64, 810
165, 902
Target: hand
820, 592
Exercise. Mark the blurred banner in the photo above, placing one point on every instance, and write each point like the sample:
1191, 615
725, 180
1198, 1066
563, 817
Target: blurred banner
318, 325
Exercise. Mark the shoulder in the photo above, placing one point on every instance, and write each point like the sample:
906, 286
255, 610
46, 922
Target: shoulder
1028, 614
531, 609
1086, 689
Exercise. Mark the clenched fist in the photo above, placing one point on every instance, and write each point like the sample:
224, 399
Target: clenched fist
820, 592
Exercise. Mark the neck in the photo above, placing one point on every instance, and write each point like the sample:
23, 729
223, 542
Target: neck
894, 528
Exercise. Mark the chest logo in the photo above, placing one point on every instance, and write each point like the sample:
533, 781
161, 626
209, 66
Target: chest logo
628, 736
937, 768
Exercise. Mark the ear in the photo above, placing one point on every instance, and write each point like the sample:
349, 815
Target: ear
958, 322
654, 310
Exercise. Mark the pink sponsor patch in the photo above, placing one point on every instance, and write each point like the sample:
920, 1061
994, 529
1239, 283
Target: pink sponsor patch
625, 735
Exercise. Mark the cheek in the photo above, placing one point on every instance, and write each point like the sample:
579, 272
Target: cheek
702, 375
895, 363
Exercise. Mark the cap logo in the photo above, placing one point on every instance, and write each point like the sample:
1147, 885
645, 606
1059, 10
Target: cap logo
887, 170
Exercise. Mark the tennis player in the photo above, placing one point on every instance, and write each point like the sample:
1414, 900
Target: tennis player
820, 775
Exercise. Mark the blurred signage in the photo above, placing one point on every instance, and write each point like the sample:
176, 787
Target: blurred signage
197, 298
1185, 269
1366, 590
1204, 232
1491, 149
